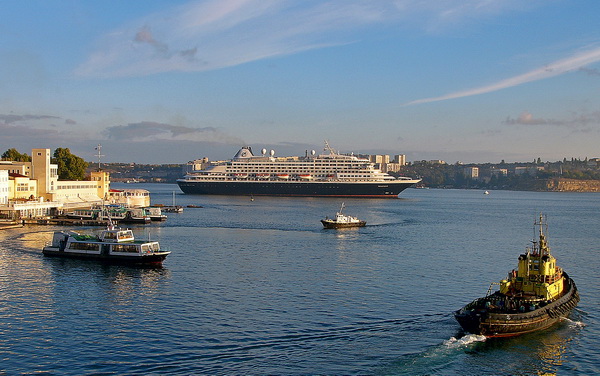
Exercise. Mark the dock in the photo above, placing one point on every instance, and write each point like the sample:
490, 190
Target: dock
65, 222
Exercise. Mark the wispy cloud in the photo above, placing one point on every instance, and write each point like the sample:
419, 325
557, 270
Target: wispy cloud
10, 118
153, 131
575, 62
212, 34
576, 121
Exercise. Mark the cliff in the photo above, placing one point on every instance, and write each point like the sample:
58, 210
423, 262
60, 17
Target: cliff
572, 185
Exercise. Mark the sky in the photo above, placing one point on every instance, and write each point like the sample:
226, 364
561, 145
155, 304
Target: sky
169, 81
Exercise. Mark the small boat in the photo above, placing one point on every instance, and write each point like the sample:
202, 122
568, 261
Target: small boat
155, 213
173, 208
113, 245
486, 193
534, 297
342, 221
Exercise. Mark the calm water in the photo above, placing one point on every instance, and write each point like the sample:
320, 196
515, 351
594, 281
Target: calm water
258, 287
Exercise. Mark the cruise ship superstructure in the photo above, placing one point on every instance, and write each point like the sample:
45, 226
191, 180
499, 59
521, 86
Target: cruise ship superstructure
331, 174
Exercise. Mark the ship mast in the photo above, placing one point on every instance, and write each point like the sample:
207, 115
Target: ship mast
329, 148
99, 148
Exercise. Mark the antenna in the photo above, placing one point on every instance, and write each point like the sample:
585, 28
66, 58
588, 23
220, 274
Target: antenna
99, 148
329, 148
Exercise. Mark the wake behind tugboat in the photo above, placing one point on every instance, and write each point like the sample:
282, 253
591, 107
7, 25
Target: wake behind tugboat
534, 297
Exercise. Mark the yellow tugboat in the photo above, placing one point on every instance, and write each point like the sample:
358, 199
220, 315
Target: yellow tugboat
535, 296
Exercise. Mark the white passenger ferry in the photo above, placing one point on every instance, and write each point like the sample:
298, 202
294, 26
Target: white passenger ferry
331, 175
113, 245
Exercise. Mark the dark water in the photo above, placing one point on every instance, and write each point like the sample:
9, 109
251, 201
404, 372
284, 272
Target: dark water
258, 287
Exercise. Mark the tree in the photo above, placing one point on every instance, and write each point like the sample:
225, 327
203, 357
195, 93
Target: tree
70, 166
13, 155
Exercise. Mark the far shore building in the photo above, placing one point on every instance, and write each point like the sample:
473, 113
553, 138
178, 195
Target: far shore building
471, 172
400, 159
530, 170
498, 172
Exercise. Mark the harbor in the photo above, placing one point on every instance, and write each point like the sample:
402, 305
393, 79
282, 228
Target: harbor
290, 297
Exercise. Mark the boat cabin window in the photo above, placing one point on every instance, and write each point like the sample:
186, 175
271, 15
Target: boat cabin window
84, 246
125, 248
110, 235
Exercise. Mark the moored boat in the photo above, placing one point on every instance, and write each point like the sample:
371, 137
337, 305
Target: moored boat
534, 297
155, 213
342, 220
112, 245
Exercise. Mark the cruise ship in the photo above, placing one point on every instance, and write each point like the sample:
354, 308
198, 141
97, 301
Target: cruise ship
327, 175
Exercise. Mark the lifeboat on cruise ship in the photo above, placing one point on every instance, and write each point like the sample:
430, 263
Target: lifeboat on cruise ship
283, 176
305, 176
263, 176
241, 176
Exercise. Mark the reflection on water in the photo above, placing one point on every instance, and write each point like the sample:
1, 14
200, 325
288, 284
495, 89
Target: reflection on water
540, 353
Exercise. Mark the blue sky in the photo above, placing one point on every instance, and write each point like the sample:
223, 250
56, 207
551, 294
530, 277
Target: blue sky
170, 81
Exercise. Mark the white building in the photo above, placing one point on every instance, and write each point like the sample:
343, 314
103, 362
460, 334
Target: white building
472, 172
4, 184
400, 159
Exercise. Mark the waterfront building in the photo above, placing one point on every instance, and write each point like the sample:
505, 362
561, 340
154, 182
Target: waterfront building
4, 185
32, 189
69, 193
21, 168
21, 187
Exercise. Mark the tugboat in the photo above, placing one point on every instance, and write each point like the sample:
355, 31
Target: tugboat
342, 221
113, 245
534, 297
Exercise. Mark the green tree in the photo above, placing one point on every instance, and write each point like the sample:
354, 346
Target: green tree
13, 155
70, 166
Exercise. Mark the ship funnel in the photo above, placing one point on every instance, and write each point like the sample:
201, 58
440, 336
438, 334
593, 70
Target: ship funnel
264, 151
272, 152
312, 152
244, 152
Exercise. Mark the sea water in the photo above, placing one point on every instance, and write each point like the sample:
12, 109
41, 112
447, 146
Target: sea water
259, 287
